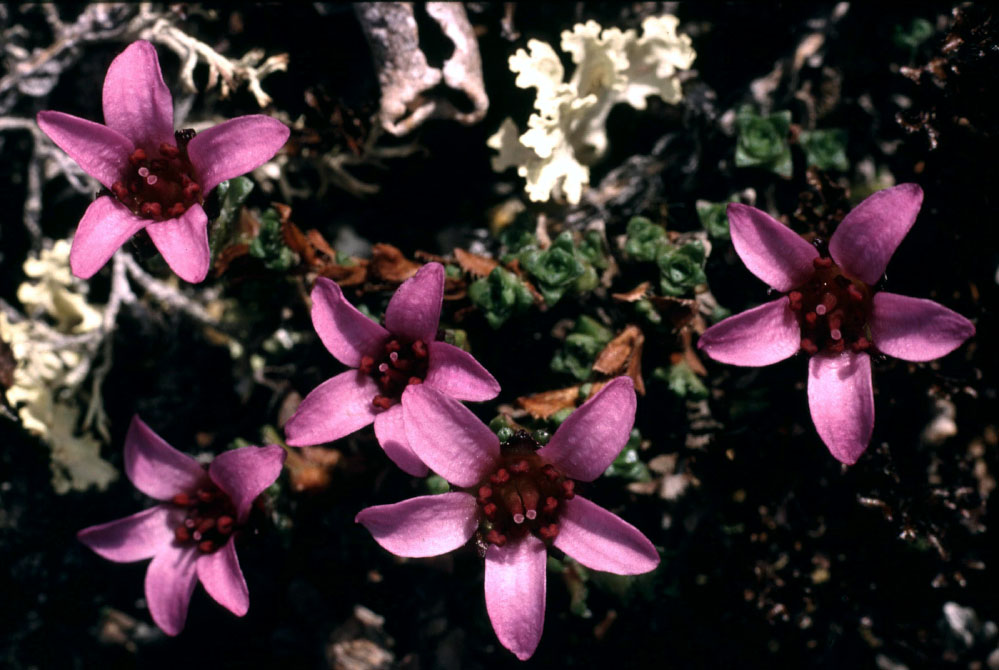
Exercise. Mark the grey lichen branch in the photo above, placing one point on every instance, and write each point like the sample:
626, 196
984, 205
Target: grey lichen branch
405, 75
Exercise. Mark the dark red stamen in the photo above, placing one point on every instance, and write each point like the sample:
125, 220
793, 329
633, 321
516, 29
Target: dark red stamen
210, 519
395, 368
160, 184
523, 495
833, 310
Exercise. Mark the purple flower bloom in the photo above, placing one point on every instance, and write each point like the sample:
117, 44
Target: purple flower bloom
520, 497
388, 360
831, 310
158, 179
190, 534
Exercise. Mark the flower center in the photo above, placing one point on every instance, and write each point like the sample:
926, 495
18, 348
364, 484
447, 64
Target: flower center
211, 518
399, 365
160, 185
833, 310
523, 495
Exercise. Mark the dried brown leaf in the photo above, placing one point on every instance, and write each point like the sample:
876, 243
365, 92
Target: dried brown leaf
543, 405
623, 355
474, 264
388, 263
634, 295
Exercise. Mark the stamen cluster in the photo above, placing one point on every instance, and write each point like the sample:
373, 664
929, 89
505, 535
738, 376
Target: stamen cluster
833, 309
160, 186
524, 494
399, 365
211, 518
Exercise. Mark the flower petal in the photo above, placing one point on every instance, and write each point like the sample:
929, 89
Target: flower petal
759, 336
347, 334
447, 436
390, 429
771, 251
170, 582
244, 473
235, 147
423, 526
156, 468
415, 310
135, 537
915, 329
183, 243
335, 408
456, 373
515, 593
603, 541
221, 576
868, 236
137, 103
586, 443
841, 400
101, 152
106, 225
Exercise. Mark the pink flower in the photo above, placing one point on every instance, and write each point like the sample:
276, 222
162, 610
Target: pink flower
520, 498
831, 310
157, 179
190, 535
388, 360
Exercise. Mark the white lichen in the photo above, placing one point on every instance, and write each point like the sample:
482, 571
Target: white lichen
46, 377
567, 133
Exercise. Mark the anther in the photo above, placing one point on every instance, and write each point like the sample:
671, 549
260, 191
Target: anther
182, 533
548, 532
176, 210
828, 301
206, 525
120, 190
382, 401
224, 524
420, 349
414, 380
392, 345
809, 346
205, 496
568, 489
550, 473
822, 262
862, 344
485, 493
367, 362
168, 150
206, 547
497, 538
490, 509
812, 317
501, 476
182, 499
137, 156
551, 504
854, 292
520, 467
151, 210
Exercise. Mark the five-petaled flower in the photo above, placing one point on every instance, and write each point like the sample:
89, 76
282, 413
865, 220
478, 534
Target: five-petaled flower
387, 361
832, 311
156, 179
520, 498
190, 535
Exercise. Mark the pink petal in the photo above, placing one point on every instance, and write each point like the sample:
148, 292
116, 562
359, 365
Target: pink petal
235, 147
771, 251
220, 575
447, 436
515, 593
424, 526
415, 310
390, 429
100, 151
915, 329
456, 373
586, 443
841, 399
183, 243
347, 334
156, 468
868, 236
759, 336
170, 582
135, 537
244, 473
603, 541
335, 408
137, 103
106, 225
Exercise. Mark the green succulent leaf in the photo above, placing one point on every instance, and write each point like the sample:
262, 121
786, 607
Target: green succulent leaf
682, 381
555, 269
645, 239
825, 149
581, 346
591, 248
500, 296
269, 244
763, 141
681, 268
714, 218
627, 464
231, 194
